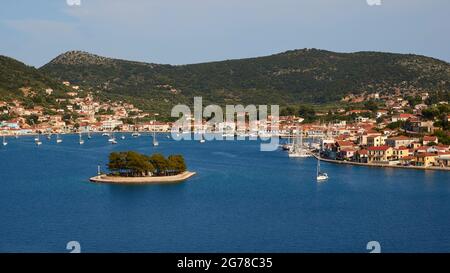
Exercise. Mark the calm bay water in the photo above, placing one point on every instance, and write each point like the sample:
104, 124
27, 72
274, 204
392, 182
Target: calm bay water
242, 200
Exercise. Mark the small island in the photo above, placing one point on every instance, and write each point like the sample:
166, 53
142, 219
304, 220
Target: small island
135, 168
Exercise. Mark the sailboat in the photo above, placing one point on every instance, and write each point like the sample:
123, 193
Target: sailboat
155, 141
321, 176
49, 136
202, 139
58, 139
81, 140
287, 146
135, 130
112, 139
4, 141
38, 140
89, 135
297, 146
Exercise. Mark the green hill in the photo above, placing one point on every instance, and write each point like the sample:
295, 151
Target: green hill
15, 75
308, 75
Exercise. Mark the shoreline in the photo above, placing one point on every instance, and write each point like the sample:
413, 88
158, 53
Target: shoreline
106, 179
77, 133
376, 165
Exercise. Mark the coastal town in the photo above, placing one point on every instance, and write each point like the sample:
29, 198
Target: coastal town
400, 130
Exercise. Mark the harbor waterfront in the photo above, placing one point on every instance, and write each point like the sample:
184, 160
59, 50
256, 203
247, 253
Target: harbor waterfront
375, 165
240, 200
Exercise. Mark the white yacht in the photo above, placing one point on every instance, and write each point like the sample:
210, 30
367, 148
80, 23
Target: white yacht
202, 139
321, 176
58, 139
4, 141
155, 141
81, 140
38, 140
112, 139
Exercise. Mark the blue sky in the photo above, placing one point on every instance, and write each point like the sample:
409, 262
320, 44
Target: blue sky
192, 31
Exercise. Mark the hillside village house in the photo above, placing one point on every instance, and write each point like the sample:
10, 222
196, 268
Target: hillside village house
155, 126
400, 141
443, 161
346, 154
429, 139
376, 141
420, 126
111, 124
381, 154
382, 113
426, 159
400, 153
402, 117
362, 156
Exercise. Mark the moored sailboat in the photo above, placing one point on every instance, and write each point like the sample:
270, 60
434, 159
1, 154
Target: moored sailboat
321, 176
58, 139
202, 138
298, 150
155, 141
112, 139
81, 141
38, 140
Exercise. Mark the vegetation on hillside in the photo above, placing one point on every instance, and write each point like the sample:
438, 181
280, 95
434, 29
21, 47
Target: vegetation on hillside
18, 80
299, 76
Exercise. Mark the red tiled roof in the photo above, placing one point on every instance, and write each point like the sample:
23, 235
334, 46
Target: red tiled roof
406, 115
399, 138
429, 138
426, 155
345, 143
379, 148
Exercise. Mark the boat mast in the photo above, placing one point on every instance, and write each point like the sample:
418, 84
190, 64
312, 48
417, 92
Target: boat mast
301, 139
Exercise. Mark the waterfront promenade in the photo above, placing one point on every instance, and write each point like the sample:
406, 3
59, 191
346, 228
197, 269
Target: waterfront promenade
378, 165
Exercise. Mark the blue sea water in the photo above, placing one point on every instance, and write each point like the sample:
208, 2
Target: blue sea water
241, 200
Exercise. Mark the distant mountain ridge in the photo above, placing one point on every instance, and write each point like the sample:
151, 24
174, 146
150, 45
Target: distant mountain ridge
307, 75
292, 77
